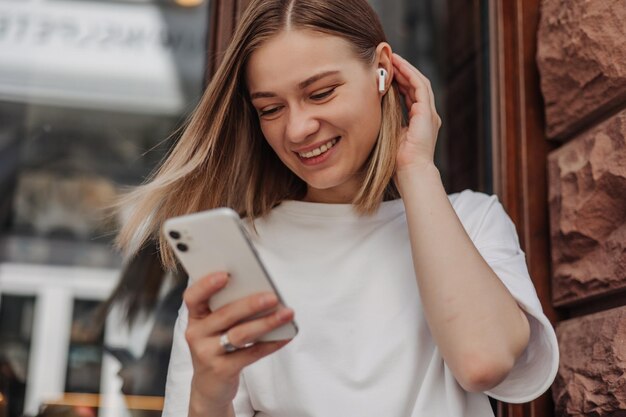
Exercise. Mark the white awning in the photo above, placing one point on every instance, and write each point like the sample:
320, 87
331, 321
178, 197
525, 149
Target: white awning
102, 55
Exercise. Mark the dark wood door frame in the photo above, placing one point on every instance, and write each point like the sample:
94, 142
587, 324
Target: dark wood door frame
222, 19
520, 151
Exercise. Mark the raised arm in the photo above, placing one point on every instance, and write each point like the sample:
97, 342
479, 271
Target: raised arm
466, 305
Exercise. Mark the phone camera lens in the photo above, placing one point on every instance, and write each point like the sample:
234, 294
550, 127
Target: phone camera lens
182, 247
174, 234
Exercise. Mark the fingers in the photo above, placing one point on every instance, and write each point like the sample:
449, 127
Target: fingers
228, 366
197, 295
415, 87
251, 331
205, 328
412, 80
247, 356
233, 313
240, 335
406, 93
234, 317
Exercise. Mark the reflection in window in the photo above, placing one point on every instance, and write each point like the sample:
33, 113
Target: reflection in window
90, 96
16, 328
85, 351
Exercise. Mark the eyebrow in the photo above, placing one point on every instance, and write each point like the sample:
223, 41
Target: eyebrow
304, 84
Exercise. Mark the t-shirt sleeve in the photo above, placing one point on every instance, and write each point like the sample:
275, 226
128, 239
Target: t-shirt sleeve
241, 403
495, 237
180, 373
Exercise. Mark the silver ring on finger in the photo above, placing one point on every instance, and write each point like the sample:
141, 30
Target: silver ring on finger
226, 345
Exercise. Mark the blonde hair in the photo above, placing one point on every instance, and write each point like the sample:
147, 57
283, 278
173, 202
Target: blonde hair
210, 165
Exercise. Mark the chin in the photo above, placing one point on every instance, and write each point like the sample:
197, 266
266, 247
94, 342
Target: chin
322, 183
329, 187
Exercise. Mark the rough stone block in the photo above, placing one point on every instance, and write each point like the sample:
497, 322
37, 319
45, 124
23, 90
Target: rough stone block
587, 199
581, 54
592, 372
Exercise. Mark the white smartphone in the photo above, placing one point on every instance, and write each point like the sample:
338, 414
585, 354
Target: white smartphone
216, 240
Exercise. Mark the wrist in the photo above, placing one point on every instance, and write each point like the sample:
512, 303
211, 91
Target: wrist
200, 406
201, 410
406, 177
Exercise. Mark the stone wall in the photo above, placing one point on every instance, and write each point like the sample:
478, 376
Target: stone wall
587, 197
591, 380
581, 57
582, 60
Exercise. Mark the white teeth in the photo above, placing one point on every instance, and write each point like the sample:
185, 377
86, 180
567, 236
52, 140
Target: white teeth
320, 150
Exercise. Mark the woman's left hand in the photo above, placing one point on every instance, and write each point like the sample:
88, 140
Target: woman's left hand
417, 144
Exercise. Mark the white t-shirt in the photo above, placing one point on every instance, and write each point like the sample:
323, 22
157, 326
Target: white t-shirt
364, 347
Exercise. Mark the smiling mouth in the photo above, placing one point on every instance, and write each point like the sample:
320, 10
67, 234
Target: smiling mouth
319, 151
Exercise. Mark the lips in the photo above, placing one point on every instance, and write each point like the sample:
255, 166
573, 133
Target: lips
317, 149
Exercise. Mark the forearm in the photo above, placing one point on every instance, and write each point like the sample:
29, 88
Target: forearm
226, 413
473, 318
197, 409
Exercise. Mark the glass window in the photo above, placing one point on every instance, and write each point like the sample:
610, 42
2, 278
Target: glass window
92, 93
84, 362
16, 329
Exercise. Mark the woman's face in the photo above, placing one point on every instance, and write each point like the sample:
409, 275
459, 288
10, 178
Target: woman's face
319, 109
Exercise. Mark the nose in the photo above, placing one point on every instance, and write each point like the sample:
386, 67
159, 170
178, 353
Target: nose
301, 124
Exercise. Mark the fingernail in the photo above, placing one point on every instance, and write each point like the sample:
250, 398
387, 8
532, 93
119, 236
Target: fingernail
219, 279
284, 314
267, 300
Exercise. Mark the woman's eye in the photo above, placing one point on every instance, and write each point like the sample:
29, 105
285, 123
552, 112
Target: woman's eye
323, 94
268, 112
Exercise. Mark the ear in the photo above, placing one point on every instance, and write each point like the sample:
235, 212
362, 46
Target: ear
383, 60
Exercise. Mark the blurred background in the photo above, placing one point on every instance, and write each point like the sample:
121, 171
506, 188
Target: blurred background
91, 95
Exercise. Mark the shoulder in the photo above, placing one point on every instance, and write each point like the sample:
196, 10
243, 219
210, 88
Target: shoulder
470, 201
483, 216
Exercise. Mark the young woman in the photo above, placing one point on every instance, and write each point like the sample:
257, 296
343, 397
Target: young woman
410, 302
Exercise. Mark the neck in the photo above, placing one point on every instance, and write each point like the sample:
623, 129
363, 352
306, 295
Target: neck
343, 194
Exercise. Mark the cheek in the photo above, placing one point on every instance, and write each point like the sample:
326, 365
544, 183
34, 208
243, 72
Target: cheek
354, 110
366, 117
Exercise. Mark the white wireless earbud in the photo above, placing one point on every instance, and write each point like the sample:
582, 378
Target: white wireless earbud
382, 76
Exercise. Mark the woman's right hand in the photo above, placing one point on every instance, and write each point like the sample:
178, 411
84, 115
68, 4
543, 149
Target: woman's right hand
216, 372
